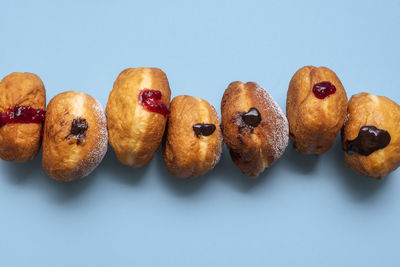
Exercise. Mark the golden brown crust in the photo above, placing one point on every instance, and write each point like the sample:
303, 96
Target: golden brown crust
21, 141
370, 110
135, 133
253, 149
314, 123
65, 157
185, 154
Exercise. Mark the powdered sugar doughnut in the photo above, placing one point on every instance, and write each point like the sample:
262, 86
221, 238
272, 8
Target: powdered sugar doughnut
254, 127
75, 136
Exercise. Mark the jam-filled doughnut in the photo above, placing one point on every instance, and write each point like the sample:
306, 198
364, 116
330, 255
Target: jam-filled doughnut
315, 108
75, 136
254, 127
22, 112
193, 142
137, 111
371, 135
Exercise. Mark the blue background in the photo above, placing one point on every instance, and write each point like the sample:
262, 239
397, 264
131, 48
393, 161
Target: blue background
304, 211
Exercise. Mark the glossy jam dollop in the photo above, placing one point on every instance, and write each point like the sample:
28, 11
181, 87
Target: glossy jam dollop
22, 114
323, 89
369, 139
150, 100
204, 129
252, 117
78, 130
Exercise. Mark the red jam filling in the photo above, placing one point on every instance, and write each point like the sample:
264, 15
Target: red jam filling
323, 89
22, 114
150, 99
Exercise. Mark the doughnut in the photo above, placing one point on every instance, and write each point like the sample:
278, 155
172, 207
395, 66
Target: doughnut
137, 111
315, 108
254, 127
75, 136
22, 112
193, 142
371, 135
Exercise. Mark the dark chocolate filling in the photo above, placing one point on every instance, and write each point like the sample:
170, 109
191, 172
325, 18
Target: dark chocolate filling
252, 117
204, 129
78, 130
369, 139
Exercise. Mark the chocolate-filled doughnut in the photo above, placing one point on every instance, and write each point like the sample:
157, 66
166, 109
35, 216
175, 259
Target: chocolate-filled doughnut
75, 136
22, 112
315, 108
137, 111
193, 141
371, 135
254, 127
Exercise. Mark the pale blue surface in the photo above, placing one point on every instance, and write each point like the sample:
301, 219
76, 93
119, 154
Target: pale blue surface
304, 211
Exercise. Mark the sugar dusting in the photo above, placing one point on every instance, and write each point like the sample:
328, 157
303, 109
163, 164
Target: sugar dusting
346, 119
278, 132
96, 155
217, 151
210, 112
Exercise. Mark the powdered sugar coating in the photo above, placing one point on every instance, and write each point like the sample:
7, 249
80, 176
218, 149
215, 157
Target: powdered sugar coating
278, 126
216, 151
255, 129
98, 152
65, 159
346, 119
